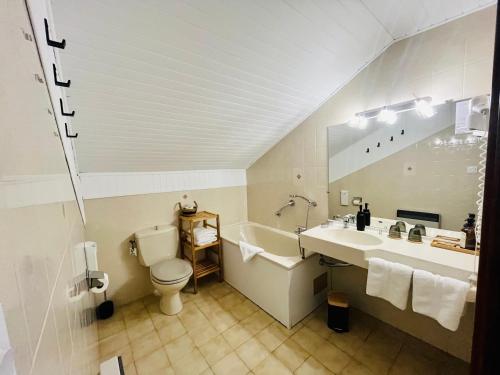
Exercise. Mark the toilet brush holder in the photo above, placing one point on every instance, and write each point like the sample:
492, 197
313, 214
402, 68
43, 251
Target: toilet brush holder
105, 310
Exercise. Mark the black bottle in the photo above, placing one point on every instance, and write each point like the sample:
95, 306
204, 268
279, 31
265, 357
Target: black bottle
360, 219
368, 215
470, 232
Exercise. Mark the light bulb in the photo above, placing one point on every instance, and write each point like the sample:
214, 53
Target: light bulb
388, 116
424, 108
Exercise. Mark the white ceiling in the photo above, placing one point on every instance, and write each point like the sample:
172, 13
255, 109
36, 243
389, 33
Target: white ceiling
206, 84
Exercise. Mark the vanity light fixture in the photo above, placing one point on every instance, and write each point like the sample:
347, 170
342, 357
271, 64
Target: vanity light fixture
388, 116
424, 108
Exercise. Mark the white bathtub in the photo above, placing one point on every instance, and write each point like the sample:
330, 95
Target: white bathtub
278, 280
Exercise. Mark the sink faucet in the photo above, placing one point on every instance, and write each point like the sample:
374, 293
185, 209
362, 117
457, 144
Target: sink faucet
349, 218
300, 229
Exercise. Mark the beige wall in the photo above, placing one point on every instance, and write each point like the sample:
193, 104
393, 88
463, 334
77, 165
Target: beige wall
40, 222
439, 182
452, 61
113, 221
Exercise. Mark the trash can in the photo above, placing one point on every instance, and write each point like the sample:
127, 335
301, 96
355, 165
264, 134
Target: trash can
338, 312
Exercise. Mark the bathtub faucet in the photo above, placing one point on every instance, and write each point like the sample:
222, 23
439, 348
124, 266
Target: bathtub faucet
290, 203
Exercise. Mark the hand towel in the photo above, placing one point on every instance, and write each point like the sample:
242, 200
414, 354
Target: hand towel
249, 251
390, 281
441, 298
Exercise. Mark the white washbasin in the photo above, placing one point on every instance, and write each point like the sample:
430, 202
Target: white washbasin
354, 237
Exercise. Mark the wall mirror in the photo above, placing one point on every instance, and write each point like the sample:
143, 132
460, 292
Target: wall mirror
411, 157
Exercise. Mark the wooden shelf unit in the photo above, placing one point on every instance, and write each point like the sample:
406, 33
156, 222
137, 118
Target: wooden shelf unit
206, 266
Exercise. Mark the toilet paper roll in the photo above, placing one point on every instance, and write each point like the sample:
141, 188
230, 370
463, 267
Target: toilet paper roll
103, 288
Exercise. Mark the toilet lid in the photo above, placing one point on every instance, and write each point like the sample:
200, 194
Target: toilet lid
171, 269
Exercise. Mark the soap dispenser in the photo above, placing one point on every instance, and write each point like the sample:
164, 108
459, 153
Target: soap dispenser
360, 219
469, 229
367, 214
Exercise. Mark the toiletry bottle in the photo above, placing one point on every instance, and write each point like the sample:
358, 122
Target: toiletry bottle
470, 232
360, 219
368, 215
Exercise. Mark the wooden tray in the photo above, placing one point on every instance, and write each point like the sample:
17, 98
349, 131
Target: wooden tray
448, 245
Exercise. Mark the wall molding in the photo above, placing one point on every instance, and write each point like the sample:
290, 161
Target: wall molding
116, 184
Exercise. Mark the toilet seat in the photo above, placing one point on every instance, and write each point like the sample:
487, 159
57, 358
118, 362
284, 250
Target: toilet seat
171, 271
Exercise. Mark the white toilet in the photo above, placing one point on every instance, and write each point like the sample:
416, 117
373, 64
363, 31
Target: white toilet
157, 249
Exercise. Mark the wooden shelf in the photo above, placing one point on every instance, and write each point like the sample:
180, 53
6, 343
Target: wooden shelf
207, 266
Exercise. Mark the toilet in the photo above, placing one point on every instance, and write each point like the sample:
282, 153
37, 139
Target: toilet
157, 249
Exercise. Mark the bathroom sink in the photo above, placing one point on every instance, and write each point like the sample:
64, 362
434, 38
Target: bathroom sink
354, 237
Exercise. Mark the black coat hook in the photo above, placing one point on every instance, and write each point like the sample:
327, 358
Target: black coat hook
392, 138
50, 42
402, 132
368, 150
67, 133
70, 114
59, 83
378, 144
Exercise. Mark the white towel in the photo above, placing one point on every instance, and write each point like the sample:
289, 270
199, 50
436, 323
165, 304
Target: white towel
249, 251
203, 235
438, 297
390, 281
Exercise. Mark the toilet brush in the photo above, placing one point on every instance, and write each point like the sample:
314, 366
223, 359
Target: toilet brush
106, 309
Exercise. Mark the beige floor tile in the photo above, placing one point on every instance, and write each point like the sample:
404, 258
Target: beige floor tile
252, 353
136, 317
230, 300
271, 366
220, 290
332, 357
291, 354
308, 339
153, 363
106, 328
178, 348
231, 364
207, 304
236, 335
351, 341
409, 362
257, 322
376, 362
215, 349
192, 363
208, 371
130, 369
171, 331
203, 335
192, 318
131, 308
312, 367
454, 366
356, 368
138, 330
160, 319
243, 310
152, 299
145, 345
112, 343
272, 336
318, 324
384, 343
221, 320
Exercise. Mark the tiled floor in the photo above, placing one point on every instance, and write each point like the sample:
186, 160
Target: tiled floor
221, 332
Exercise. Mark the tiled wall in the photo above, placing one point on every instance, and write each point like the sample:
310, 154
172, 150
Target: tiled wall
452, 61
113, 221
40, 222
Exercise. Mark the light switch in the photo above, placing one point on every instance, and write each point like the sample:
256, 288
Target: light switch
344, 197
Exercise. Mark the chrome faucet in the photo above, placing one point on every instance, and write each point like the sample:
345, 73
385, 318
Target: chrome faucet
349, 218
309, 201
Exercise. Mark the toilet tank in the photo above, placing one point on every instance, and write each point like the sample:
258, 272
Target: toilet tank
157, 243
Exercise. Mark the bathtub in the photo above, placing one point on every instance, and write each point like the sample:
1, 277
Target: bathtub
278, 280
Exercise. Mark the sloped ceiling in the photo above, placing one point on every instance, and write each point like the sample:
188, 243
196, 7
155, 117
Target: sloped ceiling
211, 84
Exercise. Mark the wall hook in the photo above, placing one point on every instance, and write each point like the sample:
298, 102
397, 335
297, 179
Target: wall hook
378, 144
67, 133
70, 114
59, 83
50, 42
368, 150
402, 132
392, 138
